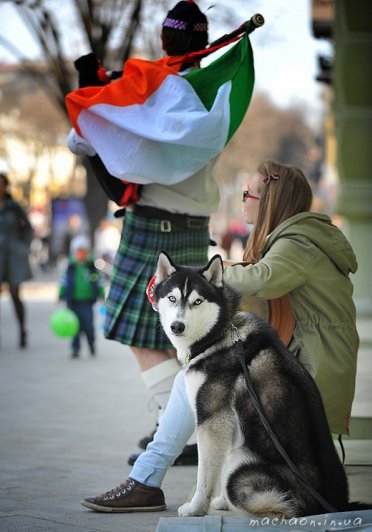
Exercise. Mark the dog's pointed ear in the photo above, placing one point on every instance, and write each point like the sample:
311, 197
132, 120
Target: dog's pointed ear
164, 268
213, 272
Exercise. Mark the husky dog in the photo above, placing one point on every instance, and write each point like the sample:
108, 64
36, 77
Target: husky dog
200, 315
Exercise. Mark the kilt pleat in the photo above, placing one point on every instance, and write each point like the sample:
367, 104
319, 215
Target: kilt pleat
130, 318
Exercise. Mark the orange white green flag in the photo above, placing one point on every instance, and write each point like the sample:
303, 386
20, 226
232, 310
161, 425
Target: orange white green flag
154, 125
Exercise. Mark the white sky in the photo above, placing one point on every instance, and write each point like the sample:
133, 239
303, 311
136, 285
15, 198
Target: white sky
284, 49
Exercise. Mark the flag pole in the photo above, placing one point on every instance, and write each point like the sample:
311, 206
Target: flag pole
256, 21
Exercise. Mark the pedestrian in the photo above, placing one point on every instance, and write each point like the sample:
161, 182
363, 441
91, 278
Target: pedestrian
292, 251
15, 238
80, 286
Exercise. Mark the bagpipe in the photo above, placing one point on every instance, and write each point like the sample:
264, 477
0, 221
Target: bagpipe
92, 73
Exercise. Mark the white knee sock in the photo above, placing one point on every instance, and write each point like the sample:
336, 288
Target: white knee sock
159, 380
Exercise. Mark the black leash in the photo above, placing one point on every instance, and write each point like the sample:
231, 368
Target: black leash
339, 439
239, 350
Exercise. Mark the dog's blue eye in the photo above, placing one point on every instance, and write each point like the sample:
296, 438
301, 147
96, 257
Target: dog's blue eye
198, 301
172, 299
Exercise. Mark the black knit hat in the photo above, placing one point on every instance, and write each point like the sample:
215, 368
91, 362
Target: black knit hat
185, 19
186, 16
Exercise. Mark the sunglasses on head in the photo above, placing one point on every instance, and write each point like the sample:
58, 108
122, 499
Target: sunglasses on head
247, 194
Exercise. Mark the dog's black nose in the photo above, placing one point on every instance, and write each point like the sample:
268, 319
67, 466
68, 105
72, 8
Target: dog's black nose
178, 327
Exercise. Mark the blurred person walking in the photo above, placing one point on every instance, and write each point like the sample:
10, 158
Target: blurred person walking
15, 238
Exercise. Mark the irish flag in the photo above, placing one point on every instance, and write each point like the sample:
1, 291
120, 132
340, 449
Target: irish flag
154, 125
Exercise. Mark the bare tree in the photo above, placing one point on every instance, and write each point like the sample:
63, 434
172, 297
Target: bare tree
267, 132
30, 120
107, 28
97, 23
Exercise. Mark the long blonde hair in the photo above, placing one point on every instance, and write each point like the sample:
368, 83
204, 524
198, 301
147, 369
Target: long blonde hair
281, 197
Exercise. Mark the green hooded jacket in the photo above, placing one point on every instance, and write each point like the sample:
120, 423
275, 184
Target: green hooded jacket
310, 259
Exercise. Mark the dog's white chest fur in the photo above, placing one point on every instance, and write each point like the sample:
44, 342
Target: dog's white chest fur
194, 380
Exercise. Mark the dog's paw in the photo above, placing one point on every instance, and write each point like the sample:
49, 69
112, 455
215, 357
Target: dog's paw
185, 510
190, 510
220, 503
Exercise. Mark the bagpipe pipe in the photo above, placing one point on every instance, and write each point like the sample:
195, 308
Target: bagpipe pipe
92, 73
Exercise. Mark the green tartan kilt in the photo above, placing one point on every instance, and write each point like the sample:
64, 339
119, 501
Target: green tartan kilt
130, 318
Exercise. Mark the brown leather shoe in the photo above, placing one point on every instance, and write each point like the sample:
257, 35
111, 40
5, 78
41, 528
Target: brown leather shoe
131, 496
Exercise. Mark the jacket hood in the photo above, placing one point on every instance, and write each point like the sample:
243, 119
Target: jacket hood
319, 229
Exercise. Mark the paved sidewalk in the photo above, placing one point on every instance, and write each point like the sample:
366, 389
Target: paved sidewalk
67, 427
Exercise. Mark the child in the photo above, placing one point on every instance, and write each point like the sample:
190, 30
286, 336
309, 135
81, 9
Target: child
81, 286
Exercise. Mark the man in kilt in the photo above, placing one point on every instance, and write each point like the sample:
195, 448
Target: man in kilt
174, 218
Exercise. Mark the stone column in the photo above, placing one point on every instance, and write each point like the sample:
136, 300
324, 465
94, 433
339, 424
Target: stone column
353, 119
